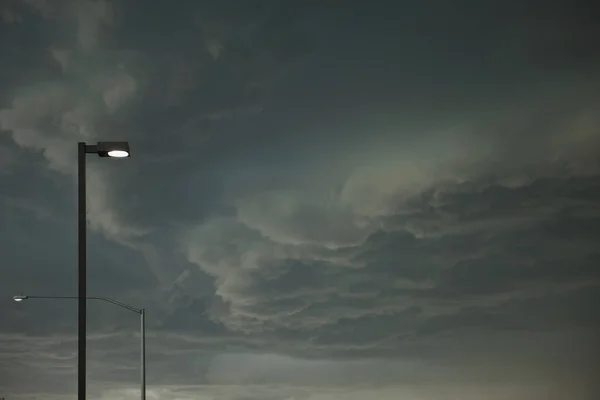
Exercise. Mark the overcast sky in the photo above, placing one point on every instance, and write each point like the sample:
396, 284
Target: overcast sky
326, 200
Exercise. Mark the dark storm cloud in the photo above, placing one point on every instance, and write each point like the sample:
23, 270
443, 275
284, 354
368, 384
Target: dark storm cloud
572, 308
494, 241
320, 196
118, 76
94, 85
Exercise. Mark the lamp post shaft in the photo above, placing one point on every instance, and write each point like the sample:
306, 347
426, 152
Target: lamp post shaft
82, 274
143, 353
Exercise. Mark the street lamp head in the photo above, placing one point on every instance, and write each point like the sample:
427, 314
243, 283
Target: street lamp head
113, 149
19, 298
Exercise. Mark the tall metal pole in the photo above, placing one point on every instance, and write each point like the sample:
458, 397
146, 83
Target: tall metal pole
82, 275
143, 351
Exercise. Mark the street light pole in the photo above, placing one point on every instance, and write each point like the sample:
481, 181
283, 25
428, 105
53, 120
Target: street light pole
140, 311
82, 274
143, 352
102, 149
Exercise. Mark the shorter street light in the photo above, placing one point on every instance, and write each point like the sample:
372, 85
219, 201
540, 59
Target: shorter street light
140, 311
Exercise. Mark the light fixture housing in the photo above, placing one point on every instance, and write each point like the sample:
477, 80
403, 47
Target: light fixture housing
19, 298
113, 149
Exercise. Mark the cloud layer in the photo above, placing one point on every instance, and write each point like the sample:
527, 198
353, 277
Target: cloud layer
323, 202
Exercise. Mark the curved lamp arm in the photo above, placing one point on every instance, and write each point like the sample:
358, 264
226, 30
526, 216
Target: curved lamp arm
107, 299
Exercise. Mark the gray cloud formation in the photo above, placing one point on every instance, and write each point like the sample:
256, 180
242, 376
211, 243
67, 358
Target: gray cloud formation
324, 202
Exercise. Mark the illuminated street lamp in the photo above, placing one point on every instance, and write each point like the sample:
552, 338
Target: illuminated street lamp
102, 149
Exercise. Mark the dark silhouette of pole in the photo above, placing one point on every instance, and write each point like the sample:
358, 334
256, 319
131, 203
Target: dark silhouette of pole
82, 274
102, 149
143, 353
